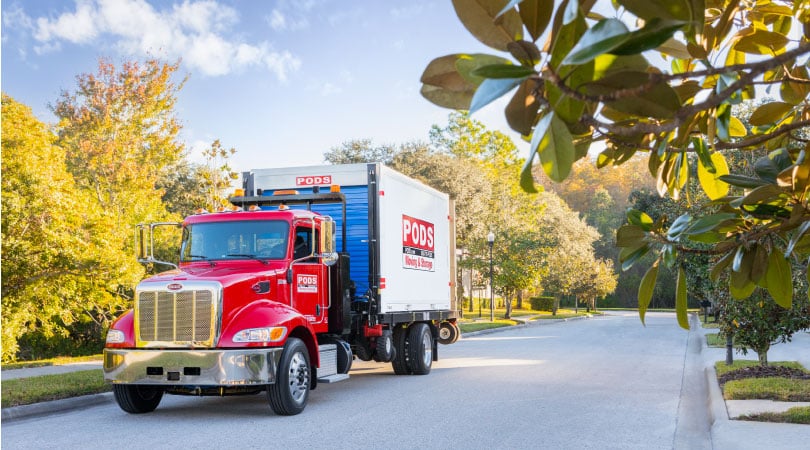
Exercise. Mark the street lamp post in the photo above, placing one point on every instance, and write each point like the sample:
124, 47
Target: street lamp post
491, 240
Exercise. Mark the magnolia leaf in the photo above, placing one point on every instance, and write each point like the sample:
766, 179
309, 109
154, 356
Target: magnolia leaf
526, 177
762, 194
491, 90
554, 144
768, 167
526, 52
795, 93
678, 226
639, 218
742, 181
779, 279
797, 235
480, 17
498, 71
629, 257
740, 286
760, 264
443, 85
674, 48
658, 101
769, 113
687, 91
761, 42
721, 265
536, 15
680, 300
708, 223
606, 35
659, 9
608, 64
521, 111
654, 33
714, 187
645, 290
568, 108
736, 128
630, 236
467, 64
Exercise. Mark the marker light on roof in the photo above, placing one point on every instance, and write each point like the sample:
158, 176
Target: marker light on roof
254, 208
334, 188
286, 192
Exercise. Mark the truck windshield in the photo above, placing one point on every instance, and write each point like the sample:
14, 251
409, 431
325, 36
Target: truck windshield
266, 239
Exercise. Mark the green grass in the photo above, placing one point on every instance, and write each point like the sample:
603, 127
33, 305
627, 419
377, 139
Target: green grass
799, 415
467, 327
769, 388
715, 340
722, 368
25, 391
58, 361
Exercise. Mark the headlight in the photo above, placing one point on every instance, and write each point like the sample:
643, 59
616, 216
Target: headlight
267, 334
115, 337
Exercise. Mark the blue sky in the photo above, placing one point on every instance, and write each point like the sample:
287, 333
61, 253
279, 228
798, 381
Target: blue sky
281, 81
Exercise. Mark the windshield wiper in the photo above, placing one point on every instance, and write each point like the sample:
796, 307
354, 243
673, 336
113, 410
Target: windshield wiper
246, 255
204, 258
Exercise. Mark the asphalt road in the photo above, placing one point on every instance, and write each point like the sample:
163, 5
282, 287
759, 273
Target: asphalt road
606, 382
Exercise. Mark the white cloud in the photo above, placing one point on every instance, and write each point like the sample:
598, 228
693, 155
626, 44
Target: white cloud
200, 32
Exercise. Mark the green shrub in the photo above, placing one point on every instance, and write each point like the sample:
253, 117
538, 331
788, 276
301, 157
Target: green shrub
542, 303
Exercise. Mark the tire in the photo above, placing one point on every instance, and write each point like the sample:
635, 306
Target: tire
137, 399
420, 348
289, 394
458, 332
448, 333
384, 347
400, 361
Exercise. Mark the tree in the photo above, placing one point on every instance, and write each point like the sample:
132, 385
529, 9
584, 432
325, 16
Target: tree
359, 151
120, 136
757, 322
595, 86
56, 270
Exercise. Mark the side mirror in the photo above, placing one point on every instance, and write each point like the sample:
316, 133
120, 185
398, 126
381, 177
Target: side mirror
330, 258
289, 276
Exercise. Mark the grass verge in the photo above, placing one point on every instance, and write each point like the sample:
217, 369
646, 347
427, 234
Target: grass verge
771, 388
25, 391
468, 327
722, 368
799, 415
58, 361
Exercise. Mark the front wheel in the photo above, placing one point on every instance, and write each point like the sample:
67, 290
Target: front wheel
137, 399
289, 394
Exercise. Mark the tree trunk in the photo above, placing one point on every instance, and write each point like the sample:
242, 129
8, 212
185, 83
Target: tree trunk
556, 305
520, 299
508, 301
762, 354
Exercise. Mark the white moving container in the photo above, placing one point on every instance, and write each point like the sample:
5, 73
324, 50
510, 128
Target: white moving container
400, 232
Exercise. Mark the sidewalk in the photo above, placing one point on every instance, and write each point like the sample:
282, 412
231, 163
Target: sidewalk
739, 434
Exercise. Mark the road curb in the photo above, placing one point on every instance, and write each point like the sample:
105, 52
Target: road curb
54, 406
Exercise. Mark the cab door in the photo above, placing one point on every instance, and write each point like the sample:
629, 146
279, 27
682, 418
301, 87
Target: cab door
310, 279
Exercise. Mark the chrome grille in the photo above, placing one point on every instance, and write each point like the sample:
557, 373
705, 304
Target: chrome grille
176, 318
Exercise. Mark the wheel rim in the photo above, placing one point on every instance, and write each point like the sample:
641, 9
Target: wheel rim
299, 377
444, 332
427, 357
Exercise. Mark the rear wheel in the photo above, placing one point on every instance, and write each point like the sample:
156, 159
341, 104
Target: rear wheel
137, 399
400, 361
289, 394
448, 333
420, 348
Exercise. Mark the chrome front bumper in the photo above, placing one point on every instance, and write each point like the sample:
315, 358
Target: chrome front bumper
238, 367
